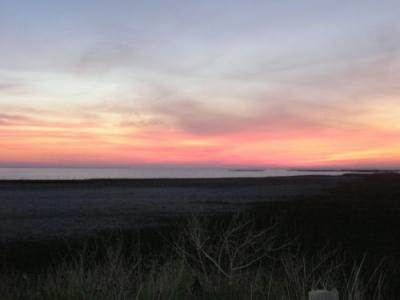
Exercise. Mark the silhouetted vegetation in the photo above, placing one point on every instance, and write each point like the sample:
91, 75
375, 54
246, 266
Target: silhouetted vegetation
347, 238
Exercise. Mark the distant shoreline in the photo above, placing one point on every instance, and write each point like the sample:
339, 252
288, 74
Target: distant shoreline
246, 170
349, 170
174, 181
166, 181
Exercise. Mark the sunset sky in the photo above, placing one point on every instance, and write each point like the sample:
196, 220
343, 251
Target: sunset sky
272, 83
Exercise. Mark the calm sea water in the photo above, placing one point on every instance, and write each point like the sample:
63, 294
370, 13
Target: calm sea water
144, 172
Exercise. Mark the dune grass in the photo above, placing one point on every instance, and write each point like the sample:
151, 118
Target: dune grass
233, 259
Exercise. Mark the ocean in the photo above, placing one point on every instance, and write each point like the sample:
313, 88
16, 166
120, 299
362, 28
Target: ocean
146, 172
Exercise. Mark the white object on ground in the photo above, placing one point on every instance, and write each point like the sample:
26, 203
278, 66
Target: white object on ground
323, 295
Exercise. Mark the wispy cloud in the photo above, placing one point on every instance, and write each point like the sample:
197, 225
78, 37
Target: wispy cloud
9, 119
201, 83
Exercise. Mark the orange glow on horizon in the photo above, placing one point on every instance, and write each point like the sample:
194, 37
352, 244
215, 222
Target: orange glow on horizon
71, 144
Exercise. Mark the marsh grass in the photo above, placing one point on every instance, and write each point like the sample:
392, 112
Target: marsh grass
229, 259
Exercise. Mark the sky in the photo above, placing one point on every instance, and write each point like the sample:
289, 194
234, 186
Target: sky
272, 83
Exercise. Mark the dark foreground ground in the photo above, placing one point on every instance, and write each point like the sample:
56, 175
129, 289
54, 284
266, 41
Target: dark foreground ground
358, 214
45, 210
